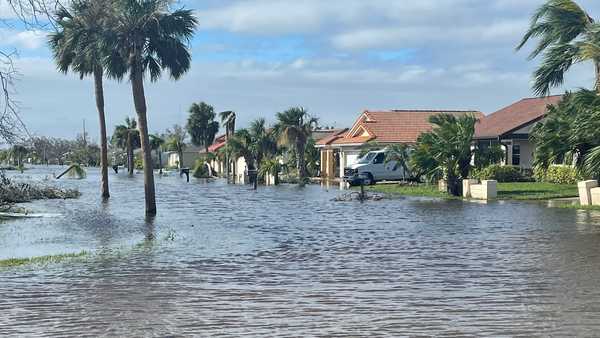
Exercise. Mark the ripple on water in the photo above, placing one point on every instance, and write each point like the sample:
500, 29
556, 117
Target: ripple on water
224, 260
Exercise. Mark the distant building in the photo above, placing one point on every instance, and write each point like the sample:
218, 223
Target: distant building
511, 126
387, 127
190, 155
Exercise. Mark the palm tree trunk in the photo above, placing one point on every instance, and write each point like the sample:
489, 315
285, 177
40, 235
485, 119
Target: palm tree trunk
99, 89
139, 100
300, 146
160, 160
180, 153
130, 164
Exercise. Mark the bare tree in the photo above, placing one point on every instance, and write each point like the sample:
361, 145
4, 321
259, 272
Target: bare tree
33, 14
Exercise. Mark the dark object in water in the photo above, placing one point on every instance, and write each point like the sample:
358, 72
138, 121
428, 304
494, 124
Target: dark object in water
186, 172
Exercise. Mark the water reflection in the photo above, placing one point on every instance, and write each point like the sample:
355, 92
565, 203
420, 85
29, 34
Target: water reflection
282, 261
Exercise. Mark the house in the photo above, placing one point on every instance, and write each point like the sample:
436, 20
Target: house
510, 127
190, 155
384, 127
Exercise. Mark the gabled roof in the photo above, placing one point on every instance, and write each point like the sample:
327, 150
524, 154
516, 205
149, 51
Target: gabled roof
219, 142
515, 116
391, 126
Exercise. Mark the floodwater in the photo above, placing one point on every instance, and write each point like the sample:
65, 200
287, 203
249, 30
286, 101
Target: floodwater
224, 260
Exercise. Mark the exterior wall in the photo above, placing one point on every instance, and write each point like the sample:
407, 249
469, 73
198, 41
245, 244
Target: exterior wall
348, 156
189, 159
328, 163
527, 150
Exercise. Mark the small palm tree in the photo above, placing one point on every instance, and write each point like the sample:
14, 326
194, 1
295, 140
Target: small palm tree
228, 121
156, 144
567, 35
400, 153
77, 46
446, 150
147, 39
176, 141
127, 137
18, 152
294, 127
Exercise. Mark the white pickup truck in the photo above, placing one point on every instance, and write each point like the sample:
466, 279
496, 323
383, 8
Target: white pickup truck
373, 168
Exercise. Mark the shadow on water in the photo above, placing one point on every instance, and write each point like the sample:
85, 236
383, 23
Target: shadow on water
226, 260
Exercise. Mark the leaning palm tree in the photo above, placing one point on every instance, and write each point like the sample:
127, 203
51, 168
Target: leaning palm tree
147, 39
567, 35
127, 137
77, 46
228, 121
294, 127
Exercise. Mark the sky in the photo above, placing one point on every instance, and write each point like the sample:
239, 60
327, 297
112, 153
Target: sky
335, 58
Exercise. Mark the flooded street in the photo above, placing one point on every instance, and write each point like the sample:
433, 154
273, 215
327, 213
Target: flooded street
223, 260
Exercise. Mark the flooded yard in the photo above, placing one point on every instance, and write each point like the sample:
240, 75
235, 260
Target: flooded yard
222, 260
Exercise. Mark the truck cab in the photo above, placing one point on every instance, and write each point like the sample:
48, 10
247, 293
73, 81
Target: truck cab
373, 168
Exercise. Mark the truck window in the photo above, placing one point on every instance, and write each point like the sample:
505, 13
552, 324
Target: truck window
379, 159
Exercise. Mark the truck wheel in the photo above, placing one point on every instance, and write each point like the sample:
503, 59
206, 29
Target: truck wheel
368, 180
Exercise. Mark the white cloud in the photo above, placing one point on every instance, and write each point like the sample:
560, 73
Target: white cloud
28, 39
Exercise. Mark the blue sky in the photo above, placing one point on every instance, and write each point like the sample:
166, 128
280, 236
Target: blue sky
334, 57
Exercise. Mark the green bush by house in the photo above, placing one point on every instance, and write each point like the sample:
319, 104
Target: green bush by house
201, 170
500, 173
558, 174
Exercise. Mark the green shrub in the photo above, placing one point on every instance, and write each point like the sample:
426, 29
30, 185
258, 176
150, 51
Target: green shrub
200, 170
558, 174
500, 173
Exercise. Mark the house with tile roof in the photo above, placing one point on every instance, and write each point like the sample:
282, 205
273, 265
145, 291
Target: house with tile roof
385, 127
510, 127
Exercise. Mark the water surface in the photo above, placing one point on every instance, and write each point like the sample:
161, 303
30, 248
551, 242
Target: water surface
224, 260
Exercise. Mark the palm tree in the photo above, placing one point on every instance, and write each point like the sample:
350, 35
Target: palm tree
201, 125
567, 35
127, 137
77, 46
149, 38
156, 144
176, 141
446, 150
294, 127
400, 153
228, 121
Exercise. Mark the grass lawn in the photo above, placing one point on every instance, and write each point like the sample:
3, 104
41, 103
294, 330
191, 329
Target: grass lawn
535, 191
506, 191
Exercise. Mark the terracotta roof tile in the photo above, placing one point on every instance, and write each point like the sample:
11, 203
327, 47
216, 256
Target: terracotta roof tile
514, 116
219, 142
394, 126
334, 136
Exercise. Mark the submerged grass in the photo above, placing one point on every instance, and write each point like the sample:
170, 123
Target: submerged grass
50, 259
423, 190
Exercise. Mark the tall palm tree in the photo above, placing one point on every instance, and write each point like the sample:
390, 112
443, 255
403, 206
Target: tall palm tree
147, 39
567, 35
201, 125
127, 137
156, 144
77, 46
294, 127
228, 121
263, 142
176, 141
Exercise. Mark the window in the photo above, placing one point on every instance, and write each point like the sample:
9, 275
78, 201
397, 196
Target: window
380, 158
516, 154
